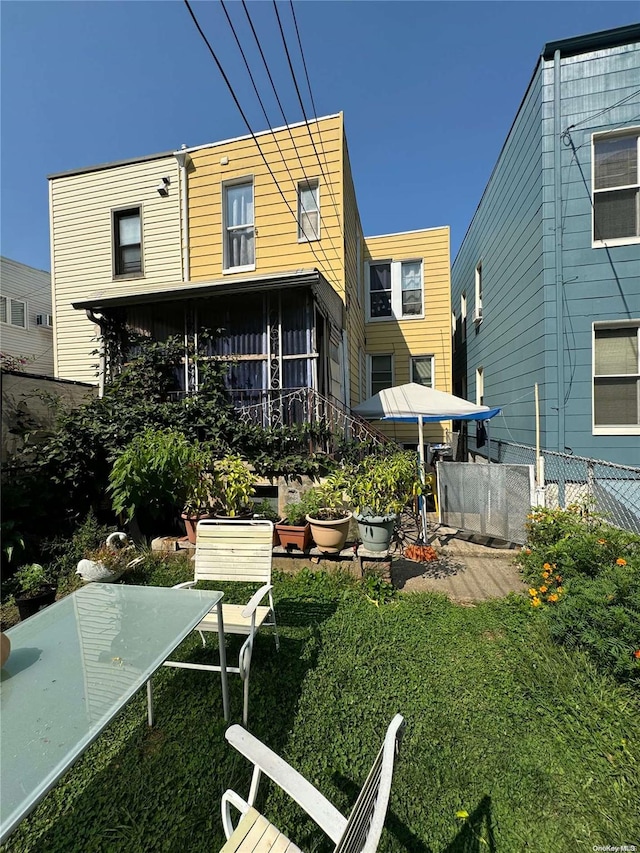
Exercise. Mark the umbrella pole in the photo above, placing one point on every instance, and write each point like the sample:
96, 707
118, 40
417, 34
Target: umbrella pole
423, 502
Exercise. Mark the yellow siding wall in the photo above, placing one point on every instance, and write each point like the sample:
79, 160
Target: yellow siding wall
354, 263
276, 245
428, 336
81, 239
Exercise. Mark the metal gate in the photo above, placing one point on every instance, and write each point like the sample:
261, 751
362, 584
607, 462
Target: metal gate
493, 500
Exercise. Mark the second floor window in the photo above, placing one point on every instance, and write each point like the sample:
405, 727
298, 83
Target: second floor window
395, 290
616, 188
239, 248
13, 312
127, 242
308, 211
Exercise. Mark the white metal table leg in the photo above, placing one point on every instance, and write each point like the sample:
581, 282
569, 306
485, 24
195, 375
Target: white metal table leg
223, 663
149, 702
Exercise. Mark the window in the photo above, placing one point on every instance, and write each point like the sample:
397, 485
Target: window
380, 372
463, 316
239, 244
127, 241
616, 379
13, 312
422, 370
480, 386
616, 188
395, 290
477, 314
308, 211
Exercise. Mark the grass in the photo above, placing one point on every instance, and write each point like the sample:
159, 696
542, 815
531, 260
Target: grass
541, 751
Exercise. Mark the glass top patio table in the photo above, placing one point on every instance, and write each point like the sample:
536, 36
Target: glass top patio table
72, 667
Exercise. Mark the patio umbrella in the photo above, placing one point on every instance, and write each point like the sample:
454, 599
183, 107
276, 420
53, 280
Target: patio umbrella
419, 404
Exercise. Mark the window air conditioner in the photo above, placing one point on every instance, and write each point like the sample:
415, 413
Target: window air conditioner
477, 314
44, 320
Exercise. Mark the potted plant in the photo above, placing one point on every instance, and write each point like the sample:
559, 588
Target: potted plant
232, 485
327, 514
108, 562
379, 488
158, 470
294, 530
35, 589
265, 509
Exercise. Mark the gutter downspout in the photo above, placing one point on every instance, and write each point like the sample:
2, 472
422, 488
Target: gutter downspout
559, 270
99, 319
183, 160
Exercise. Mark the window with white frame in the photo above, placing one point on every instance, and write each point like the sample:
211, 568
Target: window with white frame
308, 210
616, 187
239, 229
480, 386
380, 373
13, 312
616, 378
127, 242
395, 290
477, 314
422, 370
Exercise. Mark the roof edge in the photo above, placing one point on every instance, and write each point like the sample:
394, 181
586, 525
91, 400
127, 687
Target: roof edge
593, 41
114, 164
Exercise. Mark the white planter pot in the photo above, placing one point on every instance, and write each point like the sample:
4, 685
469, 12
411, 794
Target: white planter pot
91, 571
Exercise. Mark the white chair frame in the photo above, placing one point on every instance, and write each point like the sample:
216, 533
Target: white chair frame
360, 833
235, 550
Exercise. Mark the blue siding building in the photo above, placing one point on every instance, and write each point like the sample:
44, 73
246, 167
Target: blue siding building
546, 284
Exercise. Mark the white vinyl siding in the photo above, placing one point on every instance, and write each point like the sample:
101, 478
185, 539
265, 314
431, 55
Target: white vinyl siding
26, 295
616, 188
308, 211
616, 380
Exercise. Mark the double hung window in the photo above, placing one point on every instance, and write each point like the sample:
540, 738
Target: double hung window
13, 312
380, 372
308, 211
422, 370
616, 188
127, 242
616, 379
395, 290
239, 229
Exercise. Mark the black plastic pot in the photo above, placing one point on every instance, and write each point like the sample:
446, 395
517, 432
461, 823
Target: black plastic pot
28, 606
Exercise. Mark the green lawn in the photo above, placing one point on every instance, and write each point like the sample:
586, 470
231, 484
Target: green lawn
540, 750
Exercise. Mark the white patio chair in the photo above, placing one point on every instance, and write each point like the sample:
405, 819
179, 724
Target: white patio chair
235, 550
360, 833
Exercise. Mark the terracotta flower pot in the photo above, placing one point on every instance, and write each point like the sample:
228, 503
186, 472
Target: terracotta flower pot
191, 524
330, 536
294, 536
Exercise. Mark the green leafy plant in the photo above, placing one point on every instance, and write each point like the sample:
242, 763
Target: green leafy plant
378, 590
265, 509
326, 502
114, 559
31, 580
383, 485
233, 485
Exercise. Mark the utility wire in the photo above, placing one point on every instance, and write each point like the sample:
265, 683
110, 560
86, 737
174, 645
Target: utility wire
313, 104
605, 110
286, 122
245, 119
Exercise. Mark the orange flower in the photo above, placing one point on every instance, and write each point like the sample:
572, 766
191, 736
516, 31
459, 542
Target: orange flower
543, 588
527, 550
553, 597
621, 561
559, 578
533, 592
547, 566
602, 541
545, 575
535, 602
636, 654
560, 590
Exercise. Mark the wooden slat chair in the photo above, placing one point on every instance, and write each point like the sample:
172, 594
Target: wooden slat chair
235, 550
360, 833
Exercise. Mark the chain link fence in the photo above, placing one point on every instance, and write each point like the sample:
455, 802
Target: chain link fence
609, 489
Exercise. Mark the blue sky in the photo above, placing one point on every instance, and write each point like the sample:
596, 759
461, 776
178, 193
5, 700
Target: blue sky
429, 91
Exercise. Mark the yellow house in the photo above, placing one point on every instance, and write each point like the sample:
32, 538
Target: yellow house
259, 237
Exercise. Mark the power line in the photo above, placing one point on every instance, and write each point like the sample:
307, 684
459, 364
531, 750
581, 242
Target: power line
313, 104
244, 117
264, 112
295, 83
286, 122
